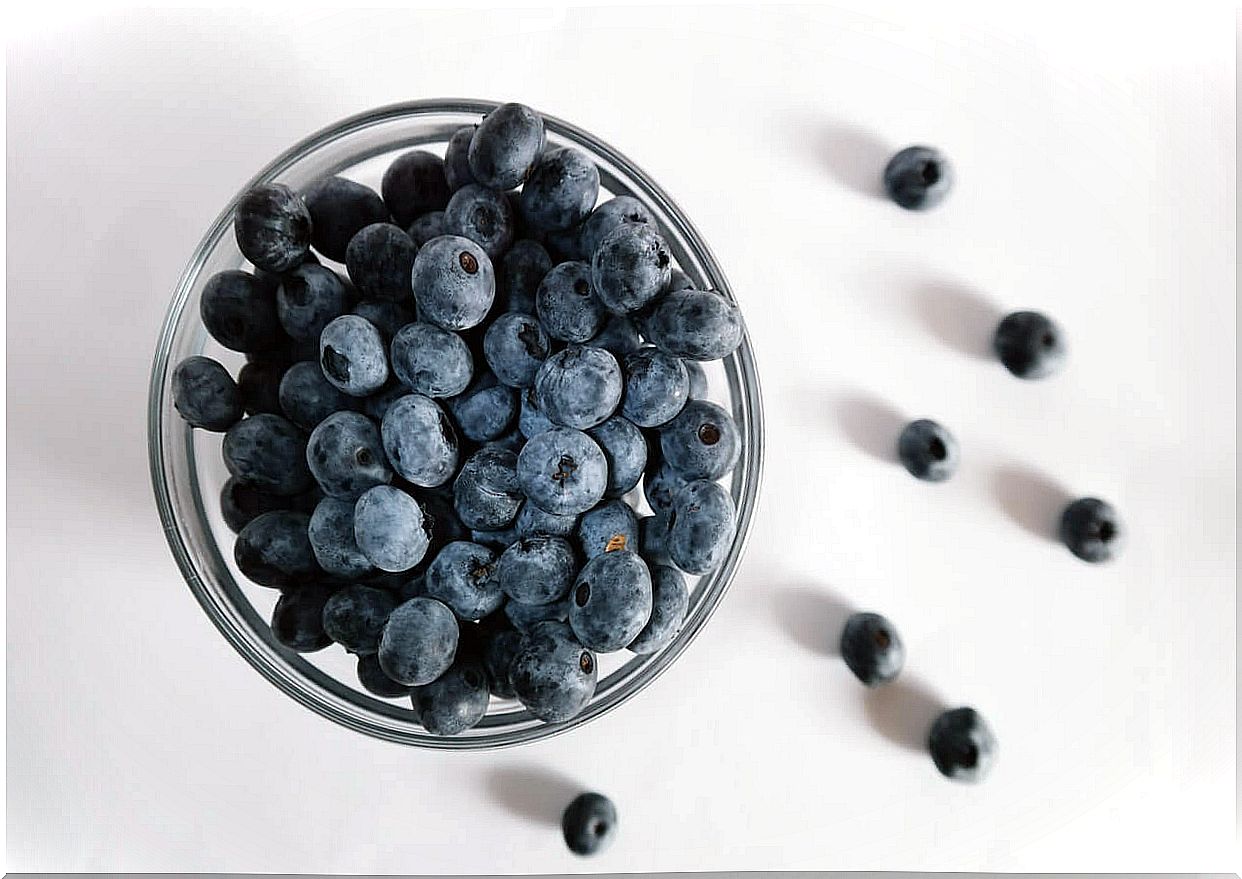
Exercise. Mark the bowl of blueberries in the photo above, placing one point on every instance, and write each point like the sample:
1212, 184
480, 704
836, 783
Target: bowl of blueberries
455, 429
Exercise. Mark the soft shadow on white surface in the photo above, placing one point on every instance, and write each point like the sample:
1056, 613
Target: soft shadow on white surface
962, 318
1033, 500
903, 710
871, 424
854, 156
813, 616
532, 792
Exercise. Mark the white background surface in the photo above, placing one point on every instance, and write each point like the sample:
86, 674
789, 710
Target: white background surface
1095, 156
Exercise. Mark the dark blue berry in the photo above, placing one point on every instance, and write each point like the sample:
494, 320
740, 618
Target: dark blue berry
379, 260
308, 298
522, 268
388, 525
453, 702
506, 146
656, 387
611, 600
562, 471
702, 442
339, 208
625, 450
258, 386
525, 617
463, 576
497, 541
533, 521
306, 397
608, 216
653, 539
484, 216
702, 523
872, 648
1091, 529
566, 304
346, 455
331, 533
239, 311
486, 494
499, 648
426, 227
372, 677
353, 355
589, 824
414, 184
354, 617
376, 405
561, 190
457, 158
485, 410
928, 451
515, 347
420, 441
268, 452
669, 602
297, 619
630, 267
609, 527
240, 503
510, 442
531, 419
387, 316
962, 745
660, 484
275, 546
419, 642
537, 570
553, 675
579, 387
565, 245
1029, 344
273, 227
695, 325
619, 336
431, 361
205, 395
918, 178
454, 283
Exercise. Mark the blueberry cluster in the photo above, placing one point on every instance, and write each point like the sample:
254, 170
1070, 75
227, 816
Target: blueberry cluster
433, 452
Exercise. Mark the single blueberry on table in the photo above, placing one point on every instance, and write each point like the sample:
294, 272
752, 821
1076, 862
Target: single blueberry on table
457, 158
239, 311
455, 701
1092, 530
353, 355
431, 361
414, 184
268, 452
656, 387
608, 216
454, 283
918, 178
566, 304
618, 336
506, 146
579, 387
372, 677
346, 455
486, 492
531, 419
653, 540
426, 227
872, 648
463, 576
611, 600
419, 642
205, 395
532, 521
380, 260
553, 675
275, 546
273, 227
698, 379
561, 190
609, 527
420, 441
630, 267
522, 268
258, 386
308, 298
695, 325
537, 570
660, 484
485, 410
625, 450
525, 617
1029, 344
962, 745
515, 346
702, 523
297, 619
702, 442
589, 824
562, 471
240, 503
339, 208
331, 533
499, 648
388, 525
355, 616
306, 397
928, 451
387, 316
669, 602
484, 216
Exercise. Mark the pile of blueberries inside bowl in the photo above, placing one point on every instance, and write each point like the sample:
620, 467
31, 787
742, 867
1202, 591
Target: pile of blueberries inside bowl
430, 454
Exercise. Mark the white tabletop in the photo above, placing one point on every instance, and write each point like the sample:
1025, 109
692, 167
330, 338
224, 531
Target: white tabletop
1096, 181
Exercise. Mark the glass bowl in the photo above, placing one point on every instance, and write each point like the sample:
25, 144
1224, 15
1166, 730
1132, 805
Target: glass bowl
188, 473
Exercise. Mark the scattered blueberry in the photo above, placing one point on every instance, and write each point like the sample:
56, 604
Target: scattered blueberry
273, 227
205, 395
537, 570
533, 521
372, 677
306, 397
486, 493
619, 336
426, 227
515, 347
630, 267
388, 525
609, 527
339, 208
419, 642
431, 361
561, 190
701, 527
353, 355
962, 745
275, 545
521, 270
331, 533
457, 158
454, 283
1029, 344
696, 325
485, 410
239, 311
624, 449
656, 387
258, 386
552, 674
918, 178
872, 649
414, 184
611, 214
589, 824
669, 602
420, 441
702, 442
562, 471
482, 215
579, 386
611, 600
379, 260
928, 451
308, 298
268, 452
566, 305
297, 619
1091, 529
506, 146
354, 617
453, 702
346, 455
463, 576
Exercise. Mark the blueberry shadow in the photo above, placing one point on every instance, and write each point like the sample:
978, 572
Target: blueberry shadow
533, 792
961, 318
1031, 499
854, 156
903, 711
813, 616
871, 424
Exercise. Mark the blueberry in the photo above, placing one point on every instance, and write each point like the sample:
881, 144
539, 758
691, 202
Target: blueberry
608, 216
273, 227
258, 386
660, 485
497, 541
1029, 344
531, 420
454, 283
205, 395
630, 267
624, 449
457, 158
567, 306
339, 208
419, 642
486, 495
589, 824
426, 227
701, 527
463, 576
579, 386
552, 674
353, 355
928, 451
696, 325
440, 520
485, 410
387, 316
453, 702
420, 441
515, 347
918, 178
268, 452
619, 336
537, 570
239, 503
653, 539
431, 361
308, 298
274, 546
702, 442
499, 648
482, 215
962, 745
346, 455
239, 311
506, 146
355, 616
656, 387
611, 600
609, 527
380, 259
331, 533
307, 398
372, 677
561, 189
698, 379
1091, 529
414, 184
522, 268
565, 245
388, 525
669, 602
525, 617
872, 649
533, 521
562, 471
297, 619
